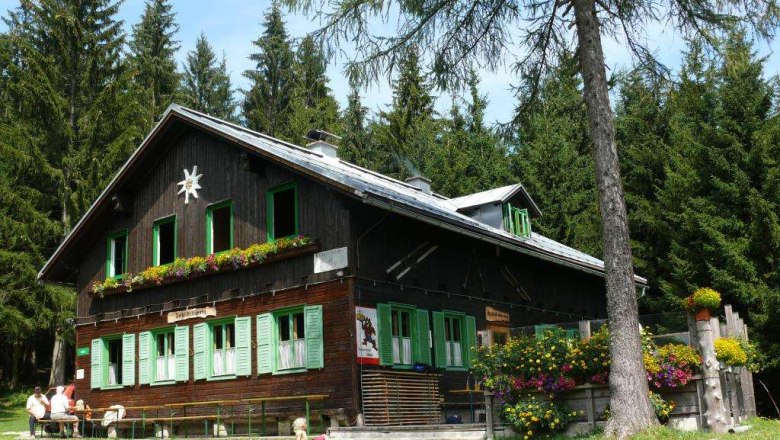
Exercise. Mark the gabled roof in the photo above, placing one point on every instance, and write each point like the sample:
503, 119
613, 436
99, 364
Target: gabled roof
496, 195
370, 187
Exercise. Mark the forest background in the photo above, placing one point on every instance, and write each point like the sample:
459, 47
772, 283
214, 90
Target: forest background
699, 151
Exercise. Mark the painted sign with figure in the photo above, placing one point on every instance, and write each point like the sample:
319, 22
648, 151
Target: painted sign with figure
365, 326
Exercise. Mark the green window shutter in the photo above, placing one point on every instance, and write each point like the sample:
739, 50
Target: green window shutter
385, 334
422, 340
144, 364
265, 354
128, 359
315, 352
439, 343
243, 346
96, 372
182, 342
199, 339
470, 338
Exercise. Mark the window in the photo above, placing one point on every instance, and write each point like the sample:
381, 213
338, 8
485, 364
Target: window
116, 254
517, 221
164, 241
113, 361
222, 349
403, 334
282, 212
454, 334
219, 227
290, 340
453, 342
163, 355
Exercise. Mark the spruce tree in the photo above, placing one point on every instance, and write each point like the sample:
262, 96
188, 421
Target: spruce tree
551, 158
152, 50
356, 144
407, 131
266, 105
206, 83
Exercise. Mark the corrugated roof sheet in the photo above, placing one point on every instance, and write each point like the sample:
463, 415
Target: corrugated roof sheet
377, 189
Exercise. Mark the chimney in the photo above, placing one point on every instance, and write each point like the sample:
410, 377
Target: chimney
420, 183
320, 142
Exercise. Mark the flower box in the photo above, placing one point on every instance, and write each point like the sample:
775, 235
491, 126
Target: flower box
198, 267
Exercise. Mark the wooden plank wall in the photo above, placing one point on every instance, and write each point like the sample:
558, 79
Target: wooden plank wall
226, 175
400, 398
336, 379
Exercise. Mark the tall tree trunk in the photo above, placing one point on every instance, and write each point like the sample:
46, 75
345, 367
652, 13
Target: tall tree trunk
57, 374
630, 408
16, 360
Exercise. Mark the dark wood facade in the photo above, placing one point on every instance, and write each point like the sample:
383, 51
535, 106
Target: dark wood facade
463, 274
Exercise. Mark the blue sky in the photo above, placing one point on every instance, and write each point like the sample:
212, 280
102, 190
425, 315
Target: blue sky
232, 25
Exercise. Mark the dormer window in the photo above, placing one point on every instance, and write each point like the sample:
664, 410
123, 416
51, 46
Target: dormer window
516, 221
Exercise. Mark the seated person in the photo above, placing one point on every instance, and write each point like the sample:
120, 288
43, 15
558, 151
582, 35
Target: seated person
60, 412
36, 407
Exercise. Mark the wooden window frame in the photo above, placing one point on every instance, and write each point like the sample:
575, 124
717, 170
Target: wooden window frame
156, 238
210, 347
461, 318
516, 221
209, 225
270, 236
104, 385
153, 355
110, 254
287, 311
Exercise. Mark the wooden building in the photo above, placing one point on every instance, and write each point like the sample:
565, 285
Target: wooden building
221, 263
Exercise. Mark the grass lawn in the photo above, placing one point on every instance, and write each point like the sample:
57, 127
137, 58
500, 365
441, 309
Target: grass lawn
13, 416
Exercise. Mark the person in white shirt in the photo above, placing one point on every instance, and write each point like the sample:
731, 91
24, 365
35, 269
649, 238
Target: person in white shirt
36, 407
60, 412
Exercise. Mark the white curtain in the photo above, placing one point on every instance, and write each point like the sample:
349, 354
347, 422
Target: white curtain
285, 355
224, 361
112, 370
300, 353
166, 365
457, 360
230, 361
218, 365
396, 350
407, 351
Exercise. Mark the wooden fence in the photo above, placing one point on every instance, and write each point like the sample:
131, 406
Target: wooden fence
690, 413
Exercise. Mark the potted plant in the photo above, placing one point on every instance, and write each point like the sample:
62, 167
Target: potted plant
702, 302
729, 352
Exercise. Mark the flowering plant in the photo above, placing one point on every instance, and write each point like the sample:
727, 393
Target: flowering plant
662, 408
703, 298
182, 269
730, 352
530, 417
590, 358
671, 365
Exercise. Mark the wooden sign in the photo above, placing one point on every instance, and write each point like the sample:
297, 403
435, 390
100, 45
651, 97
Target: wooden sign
182, 315
493, 315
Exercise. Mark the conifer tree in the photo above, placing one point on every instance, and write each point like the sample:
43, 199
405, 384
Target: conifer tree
356, 144
152, 50
206, 83
552, 158
407, 131
266, 105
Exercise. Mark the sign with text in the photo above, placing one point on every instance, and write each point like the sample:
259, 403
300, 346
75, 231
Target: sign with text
182, 315
330, 260
82, 351
365, 331
494, 315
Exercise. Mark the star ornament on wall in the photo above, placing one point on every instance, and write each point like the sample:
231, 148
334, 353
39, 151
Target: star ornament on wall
190, 184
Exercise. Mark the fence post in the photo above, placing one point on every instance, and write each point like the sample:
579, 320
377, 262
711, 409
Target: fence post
584, 330
714, 414
488, 415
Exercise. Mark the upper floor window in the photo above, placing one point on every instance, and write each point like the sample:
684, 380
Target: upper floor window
164, 241
403, 334
282, 211
116, 254
219, 227
517, 221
